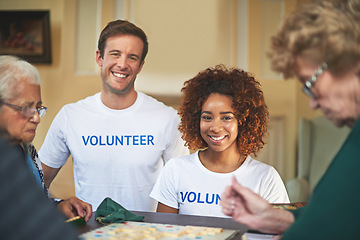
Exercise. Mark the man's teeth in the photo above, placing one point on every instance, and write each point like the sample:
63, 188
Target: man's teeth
217, 138
119, 75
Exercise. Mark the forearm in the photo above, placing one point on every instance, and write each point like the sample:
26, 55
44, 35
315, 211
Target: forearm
49, 174
166, 209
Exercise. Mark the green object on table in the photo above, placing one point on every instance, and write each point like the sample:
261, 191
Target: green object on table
110, 211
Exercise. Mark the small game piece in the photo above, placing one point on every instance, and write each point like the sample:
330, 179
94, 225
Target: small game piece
76, 221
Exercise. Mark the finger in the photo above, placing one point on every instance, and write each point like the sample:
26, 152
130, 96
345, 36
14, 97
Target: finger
227, 203
227, 211
82, 209
226, 194
227, 198
65, 208
233, 179
229, 207
88, 210
79, 207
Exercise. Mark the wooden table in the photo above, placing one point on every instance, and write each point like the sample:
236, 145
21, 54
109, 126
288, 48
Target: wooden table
176, 219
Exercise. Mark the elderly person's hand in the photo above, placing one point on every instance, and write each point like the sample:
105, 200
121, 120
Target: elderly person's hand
248, 208
73, 207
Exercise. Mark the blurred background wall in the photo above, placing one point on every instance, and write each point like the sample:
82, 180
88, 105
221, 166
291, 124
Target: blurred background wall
185, 37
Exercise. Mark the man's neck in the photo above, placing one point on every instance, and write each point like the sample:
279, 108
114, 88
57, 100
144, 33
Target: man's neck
118, 102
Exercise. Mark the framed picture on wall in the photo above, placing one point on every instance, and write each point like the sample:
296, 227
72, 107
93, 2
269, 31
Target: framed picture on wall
26, 34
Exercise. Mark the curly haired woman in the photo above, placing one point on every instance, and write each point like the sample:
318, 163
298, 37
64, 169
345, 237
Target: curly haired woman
224, 115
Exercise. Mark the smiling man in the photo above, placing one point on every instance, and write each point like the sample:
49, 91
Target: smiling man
119, 138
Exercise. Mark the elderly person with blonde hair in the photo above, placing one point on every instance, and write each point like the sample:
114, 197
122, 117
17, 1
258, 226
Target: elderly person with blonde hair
320, 45
20, 112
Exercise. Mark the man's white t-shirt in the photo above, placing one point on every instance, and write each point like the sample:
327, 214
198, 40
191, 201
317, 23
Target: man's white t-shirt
116, 153
187, 185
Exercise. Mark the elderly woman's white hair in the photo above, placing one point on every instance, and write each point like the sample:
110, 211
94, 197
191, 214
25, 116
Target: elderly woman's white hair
12, 71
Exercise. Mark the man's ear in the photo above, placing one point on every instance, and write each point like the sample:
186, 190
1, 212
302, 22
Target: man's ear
141, 66
99, 58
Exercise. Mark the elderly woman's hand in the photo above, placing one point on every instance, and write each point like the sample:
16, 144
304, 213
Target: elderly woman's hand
73, 207
244, 205
248, 208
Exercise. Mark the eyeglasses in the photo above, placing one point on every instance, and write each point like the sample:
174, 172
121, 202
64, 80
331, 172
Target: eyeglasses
28, 111
308, 85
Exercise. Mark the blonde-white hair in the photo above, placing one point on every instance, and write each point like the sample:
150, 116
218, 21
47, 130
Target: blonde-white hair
13, 70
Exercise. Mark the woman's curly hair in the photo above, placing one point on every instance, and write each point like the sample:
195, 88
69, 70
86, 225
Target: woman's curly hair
248, 104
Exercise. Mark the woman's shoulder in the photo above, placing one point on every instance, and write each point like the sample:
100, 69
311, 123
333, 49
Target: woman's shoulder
253, 163
255, 169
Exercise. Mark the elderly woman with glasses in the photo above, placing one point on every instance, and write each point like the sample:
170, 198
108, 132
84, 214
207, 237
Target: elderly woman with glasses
320, 45
20, 112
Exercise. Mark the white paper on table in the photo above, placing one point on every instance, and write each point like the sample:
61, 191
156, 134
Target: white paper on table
258, 236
